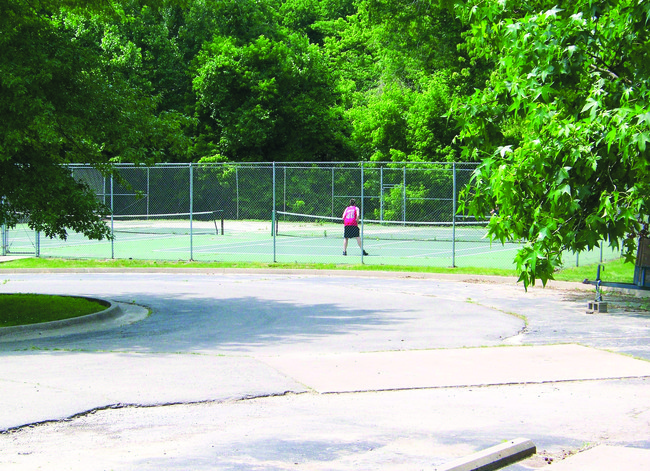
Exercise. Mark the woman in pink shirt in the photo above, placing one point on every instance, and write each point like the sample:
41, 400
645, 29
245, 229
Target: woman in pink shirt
351, 229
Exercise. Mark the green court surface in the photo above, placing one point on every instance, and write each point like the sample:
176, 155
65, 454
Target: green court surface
253, 241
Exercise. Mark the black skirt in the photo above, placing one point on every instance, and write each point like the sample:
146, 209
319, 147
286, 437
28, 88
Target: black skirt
351, 232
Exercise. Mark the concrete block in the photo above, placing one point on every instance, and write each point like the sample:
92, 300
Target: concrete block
493, 458
597, 307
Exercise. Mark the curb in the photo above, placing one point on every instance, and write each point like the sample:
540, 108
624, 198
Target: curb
112, 311
457, 277
493, 458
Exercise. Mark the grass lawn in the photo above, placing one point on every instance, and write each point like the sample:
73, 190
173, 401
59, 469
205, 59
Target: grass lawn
23, 309
20, 309
616, 271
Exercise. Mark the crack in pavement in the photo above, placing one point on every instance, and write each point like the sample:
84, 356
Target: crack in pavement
119, 406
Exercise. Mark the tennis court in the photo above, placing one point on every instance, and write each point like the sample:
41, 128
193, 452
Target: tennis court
314, 241
285, 213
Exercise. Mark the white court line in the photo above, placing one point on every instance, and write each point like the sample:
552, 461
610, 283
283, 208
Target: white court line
286, 243
219, 247
233, 246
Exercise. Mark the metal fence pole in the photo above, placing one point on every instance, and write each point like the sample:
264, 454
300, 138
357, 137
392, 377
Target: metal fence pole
273, 217
148, 187
112, 225
453, 215
601, 251
332, 192
404, 195
381, 192
362, 214
5, 239
191, 211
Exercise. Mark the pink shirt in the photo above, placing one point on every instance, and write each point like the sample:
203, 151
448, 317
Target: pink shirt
351, 216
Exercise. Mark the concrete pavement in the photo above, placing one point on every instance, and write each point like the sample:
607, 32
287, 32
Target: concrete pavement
305, 371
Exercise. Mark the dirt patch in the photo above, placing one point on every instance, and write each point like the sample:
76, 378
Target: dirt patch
617, 302
544, 458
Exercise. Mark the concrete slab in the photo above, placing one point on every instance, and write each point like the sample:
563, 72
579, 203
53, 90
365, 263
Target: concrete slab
47, 386
9, 258
606, 458
200, 351
338, 373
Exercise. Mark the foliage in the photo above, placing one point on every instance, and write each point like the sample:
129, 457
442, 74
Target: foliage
562, 127
401, 124
269, 99
399, 68
65, 99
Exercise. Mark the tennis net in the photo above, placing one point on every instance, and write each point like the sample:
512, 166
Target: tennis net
310, 226
204, 222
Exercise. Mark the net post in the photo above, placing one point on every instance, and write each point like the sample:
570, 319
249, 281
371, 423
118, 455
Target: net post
215, 218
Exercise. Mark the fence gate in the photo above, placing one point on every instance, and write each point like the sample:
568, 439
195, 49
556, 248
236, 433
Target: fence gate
20, 240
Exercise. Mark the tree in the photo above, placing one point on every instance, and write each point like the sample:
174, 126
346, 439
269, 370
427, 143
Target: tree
63, 100
306, 16
400, 67
270, 100
561, 127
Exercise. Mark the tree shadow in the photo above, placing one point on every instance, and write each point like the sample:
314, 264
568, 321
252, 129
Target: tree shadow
197, 324
270, 454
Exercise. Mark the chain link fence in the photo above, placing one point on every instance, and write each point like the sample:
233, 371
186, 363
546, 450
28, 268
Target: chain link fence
284, 212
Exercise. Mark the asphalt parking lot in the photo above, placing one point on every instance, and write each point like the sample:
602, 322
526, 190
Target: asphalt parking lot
243, 370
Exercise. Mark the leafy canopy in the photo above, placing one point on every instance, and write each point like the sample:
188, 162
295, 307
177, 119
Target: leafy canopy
68, 93
562, 127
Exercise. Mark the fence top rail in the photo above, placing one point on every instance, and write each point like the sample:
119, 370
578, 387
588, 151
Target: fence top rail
308, 165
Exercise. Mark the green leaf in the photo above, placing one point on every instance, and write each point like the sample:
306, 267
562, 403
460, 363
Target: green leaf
504, 150
640, 139
643, 118
591, 105
562, 174
544, 233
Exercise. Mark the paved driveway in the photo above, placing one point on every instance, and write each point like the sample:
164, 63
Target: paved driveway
245, 370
